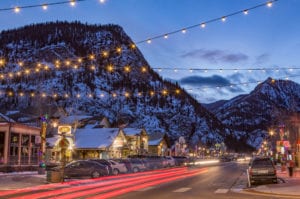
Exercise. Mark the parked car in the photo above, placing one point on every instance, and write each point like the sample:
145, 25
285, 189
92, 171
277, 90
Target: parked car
137, 165
126, 162
262, 169
84, 168
114, 167
170, 161
154, 162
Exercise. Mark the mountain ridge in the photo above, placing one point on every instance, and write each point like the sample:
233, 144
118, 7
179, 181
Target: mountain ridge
97, 69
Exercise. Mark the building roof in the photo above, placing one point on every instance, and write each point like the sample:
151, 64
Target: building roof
4, 118
132, 131
156, 137
154, 142
95, 138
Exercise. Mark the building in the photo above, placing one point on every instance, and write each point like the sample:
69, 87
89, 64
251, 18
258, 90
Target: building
19, 143
137, 140
159, 144
100, 143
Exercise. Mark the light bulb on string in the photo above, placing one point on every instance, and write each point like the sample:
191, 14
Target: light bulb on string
93, 68
269, 4
2, 61
45, 6
223, 19
183, 31
20, 64
102, 1
119, 50
166, 36
72, 3
203, 25
17, 9
149, 41
144, 69
246, 12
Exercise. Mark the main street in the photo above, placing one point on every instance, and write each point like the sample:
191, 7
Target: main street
221, 180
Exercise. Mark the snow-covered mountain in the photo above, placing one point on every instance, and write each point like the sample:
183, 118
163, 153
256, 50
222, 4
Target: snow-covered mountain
251, 116
97, 70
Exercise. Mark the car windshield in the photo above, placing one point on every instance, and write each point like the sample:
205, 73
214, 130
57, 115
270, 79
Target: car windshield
262, 162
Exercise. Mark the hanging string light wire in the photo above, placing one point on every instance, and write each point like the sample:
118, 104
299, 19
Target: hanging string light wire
203, 24
162, 92
43, 5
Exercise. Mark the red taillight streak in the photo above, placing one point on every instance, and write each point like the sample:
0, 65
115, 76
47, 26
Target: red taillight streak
66, 184
124, 184
126, 190
137, 183
95, 185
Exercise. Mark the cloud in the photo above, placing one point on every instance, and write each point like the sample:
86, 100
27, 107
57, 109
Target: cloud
214, 80
215, 56
263, 58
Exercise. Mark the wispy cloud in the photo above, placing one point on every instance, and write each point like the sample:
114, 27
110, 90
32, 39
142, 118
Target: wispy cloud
216, 56
263, 58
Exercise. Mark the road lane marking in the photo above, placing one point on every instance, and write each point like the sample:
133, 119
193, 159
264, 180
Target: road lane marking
221, 191
145, 189
181, 190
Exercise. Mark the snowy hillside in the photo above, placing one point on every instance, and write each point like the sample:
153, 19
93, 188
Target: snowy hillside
97, 70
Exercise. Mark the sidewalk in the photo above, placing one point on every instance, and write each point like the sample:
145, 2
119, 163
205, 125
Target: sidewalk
19, 180
286, 187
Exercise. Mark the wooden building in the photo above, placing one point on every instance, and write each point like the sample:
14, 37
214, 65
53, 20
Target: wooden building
159, 144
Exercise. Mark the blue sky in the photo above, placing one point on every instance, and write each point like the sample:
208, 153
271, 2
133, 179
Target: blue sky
264, 38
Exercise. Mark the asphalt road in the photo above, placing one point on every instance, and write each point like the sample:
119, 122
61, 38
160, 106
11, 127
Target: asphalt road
222, 180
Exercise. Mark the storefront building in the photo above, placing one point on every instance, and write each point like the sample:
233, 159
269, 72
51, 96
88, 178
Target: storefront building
19, 143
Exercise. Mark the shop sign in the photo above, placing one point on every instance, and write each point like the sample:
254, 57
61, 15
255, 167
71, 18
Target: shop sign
64, 129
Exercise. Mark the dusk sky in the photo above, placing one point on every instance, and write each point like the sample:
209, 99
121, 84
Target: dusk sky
267, 37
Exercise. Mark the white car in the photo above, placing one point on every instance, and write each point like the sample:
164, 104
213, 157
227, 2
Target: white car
118, 167
170, 161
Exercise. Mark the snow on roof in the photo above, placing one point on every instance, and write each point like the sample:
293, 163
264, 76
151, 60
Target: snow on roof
132, 131
4, 118
154, 142
51, 141
95, 138
54, 140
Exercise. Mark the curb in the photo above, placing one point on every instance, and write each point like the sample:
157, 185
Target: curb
260, 193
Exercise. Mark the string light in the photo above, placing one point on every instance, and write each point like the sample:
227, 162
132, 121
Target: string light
45, 7
72, 3
270, 3
203, 24
17, 9
127, 94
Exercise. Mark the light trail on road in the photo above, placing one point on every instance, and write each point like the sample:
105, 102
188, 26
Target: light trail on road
61, 190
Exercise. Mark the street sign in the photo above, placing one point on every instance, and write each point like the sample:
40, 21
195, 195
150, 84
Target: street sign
66, 129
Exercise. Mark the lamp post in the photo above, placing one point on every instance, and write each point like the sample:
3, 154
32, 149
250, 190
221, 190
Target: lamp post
42, 166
